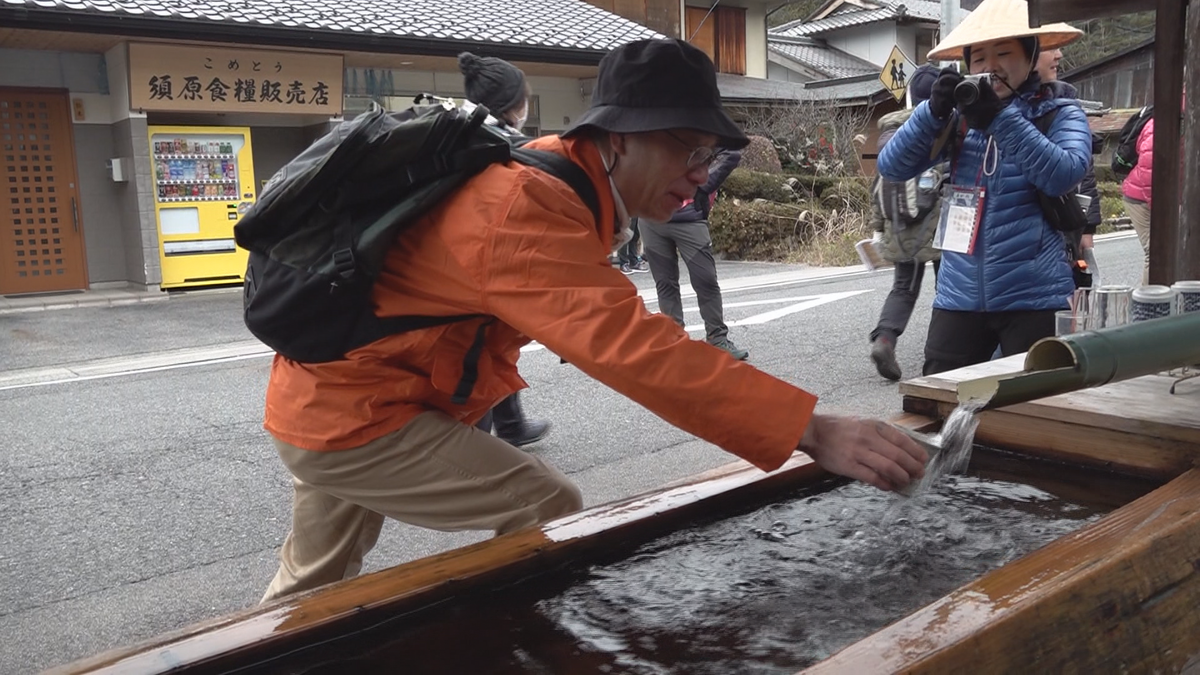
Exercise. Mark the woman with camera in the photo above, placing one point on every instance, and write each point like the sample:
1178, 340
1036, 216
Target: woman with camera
1005, 270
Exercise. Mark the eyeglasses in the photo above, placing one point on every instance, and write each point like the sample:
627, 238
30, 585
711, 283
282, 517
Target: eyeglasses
700, 156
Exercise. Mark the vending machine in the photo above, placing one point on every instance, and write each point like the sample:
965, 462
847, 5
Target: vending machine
204, 182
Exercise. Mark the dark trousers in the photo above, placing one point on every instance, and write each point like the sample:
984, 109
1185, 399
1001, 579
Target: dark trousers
960, 339
898, 307
628, 254
507, 417
664, 243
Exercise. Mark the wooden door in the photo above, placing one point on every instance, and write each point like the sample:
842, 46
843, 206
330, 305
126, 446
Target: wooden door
701, 31
721, 34
41, 239
731, 40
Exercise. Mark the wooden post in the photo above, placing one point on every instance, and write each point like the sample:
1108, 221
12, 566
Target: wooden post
1187, 259
1165, 227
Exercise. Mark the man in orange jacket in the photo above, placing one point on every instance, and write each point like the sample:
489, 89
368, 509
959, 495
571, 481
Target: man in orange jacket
377, 435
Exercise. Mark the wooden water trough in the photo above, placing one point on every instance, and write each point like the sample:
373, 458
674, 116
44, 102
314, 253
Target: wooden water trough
1118, 595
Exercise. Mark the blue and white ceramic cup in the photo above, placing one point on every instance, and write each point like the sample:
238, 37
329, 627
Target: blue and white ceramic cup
1151, 302
1187, 296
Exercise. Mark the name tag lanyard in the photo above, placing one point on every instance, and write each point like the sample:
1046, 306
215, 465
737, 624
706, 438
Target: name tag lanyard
962, 207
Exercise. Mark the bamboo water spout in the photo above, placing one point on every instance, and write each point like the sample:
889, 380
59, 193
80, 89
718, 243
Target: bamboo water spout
1092, 359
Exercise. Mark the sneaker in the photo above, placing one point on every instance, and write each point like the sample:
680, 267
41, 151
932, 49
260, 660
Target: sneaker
626, 269
737, 352
883, 353
640, 266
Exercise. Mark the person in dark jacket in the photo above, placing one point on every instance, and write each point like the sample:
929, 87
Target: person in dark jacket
501, 87
1005, 271
908, 248
687, 234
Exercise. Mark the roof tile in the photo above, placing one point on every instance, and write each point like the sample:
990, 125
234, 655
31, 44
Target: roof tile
889, 10
816, 54
577, 24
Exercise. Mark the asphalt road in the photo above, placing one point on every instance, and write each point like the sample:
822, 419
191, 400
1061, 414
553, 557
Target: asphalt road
139, 494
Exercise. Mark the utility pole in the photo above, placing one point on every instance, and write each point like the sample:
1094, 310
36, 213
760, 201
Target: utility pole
953, 14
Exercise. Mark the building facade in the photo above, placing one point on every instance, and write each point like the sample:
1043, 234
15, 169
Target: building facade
134, 137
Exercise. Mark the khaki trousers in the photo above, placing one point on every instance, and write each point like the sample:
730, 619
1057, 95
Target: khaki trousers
436, 472
1139, 213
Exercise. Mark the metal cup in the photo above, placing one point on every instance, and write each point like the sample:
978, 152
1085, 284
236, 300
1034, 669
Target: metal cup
1110, 306
1187, 296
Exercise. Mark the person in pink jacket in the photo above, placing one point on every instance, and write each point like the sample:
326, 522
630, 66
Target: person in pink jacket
1136, 190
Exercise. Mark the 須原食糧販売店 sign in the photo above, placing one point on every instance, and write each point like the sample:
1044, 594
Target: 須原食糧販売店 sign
219, 79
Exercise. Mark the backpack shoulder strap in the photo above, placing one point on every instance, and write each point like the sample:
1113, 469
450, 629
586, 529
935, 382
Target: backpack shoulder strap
565, 170
1043, 123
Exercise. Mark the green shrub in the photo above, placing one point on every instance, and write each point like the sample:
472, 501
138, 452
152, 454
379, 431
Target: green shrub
760, 155
852, 193
810, 185
1105, 174
1109, 189
748, 185
1111, 207
786, 232
744, 230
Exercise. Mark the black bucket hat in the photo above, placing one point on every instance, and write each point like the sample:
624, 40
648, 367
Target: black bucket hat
653, 85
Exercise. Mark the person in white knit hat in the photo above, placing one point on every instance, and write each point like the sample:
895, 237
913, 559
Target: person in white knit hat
1005, 270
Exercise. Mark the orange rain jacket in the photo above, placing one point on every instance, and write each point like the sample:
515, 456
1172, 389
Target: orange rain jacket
519, 245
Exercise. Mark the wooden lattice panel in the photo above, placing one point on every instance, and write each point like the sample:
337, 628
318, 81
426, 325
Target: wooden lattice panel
41, 245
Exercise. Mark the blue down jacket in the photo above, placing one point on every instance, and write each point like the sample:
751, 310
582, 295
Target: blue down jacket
1019, 262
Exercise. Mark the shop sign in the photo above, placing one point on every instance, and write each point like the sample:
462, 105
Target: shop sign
219, 79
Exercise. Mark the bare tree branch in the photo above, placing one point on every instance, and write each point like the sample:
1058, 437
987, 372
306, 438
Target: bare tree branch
811, 137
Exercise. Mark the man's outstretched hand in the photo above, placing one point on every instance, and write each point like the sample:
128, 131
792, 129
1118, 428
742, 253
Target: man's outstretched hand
867, 450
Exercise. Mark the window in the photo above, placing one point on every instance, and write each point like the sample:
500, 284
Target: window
722, 35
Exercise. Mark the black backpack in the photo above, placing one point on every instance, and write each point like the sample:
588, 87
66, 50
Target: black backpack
322, 226
1063, 213
1125, 157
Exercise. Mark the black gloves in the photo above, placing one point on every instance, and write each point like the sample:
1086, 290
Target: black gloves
941, 97
983, 110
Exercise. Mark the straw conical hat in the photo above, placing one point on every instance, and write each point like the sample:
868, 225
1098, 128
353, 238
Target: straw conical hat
1001, 20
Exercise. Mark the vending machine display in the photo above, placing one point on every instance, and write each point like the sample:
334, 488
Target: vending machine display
190, 171
204, 182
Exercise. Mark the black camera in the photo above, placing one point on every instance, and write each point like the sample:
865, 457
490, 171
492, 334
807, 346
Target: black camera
967, 91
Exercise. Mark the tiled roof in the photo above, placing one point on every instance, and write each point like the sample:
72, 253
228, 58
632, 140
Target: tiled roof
816, 54
889, 10
562, 24
844, 90
1112, 121
735, 88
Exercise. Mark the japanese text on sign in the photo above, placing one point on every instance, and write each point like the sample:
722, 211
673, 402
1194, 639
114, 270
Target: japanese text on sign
163, 77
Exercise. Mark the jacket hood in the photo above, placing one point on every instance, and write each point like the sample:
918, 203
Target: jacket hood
1060, 89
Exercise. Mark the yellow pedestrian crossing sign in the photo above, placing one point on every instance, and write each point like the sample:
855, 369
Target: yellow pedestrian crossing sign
895, 73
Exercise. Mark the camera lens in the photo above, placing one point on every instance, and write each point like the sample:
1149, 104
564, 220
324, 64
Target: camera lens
966, 92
